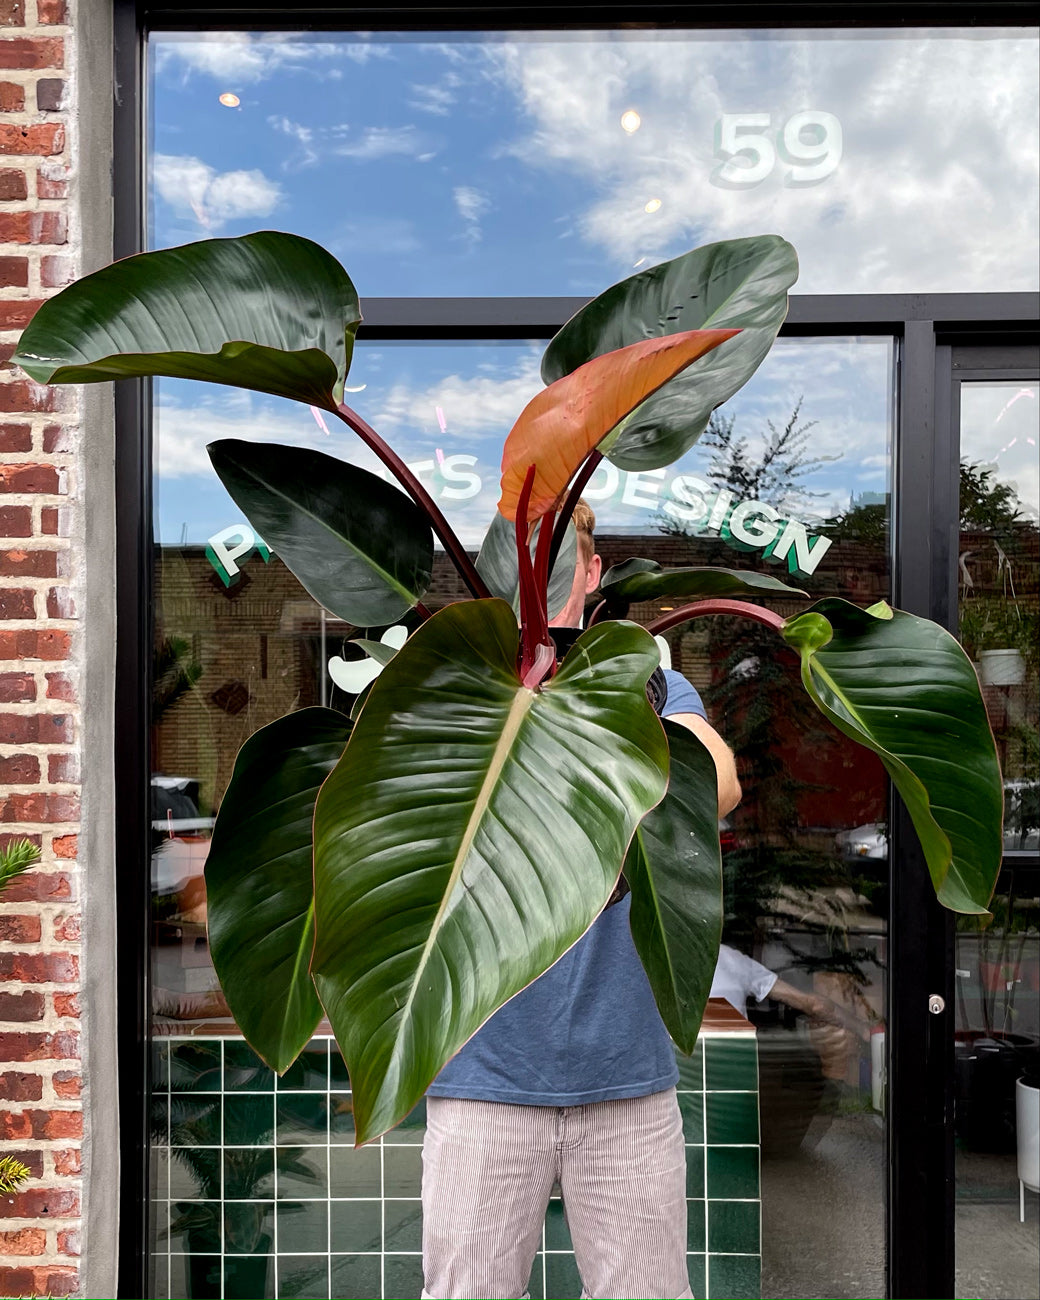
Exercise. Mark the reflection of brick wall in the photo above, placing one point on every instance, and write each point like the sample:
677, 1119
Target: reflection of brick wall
41, 1118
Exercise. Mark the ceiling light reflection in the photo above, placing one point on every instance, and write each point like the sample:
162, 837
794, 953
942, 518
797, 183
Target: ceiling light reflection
229, 100
630, 121
653, 206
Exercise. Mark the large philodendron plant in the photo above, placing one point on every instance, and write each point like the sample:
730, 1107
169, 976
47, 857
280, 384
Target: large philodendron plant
411, 869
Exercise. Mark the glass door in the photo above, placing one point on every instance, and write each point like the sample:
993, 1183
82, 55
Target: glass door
997, 961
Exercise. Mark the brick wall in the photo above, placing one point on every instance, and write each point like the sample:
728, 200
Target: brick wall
41, 1119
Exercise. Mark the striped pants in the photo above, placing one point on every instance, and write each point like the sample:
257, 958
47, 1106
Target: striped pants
488, 1172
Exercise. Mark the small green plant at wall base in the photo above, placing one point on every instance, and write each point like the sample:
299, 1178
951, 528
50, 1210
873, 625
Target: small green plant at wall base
12, 1175
16, 858
408, 870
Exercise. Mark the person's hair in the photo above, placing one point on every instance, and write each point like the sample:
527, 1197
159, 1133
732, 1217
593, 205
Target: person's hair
585, 522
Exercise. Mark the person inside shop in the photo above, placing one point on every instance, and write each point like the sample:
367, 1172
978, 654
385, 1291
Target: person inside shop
571, 1082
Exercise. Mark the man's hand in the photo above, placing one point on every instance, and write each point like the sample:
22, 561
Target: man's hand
725, 764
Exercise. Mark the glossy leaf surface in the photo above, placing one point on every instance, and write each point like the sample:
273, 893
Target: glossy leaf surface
259, 881
645, 580
674, 869
496, 564
268, 311
903, 687
360, 546
469, 836
564, 422
736, 284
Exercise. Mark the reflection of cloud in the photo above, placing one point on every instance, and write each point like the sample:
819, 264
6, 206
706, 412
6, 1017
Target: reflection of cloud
938, 129
437, 98
472, 204
245, 57
384, 142
307, 155
190, 185
365, 237
480, 406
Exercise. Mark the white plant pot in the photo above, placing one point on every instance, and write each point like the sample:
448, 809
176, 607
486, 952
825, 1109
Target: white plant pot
1002, 667
1027, 1124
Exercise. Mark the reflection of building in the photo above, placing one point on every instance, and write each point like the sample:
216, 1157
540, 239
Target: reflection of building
74, 933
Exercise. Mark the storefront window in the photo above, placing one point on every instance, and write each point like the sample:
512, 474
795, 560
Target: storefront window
556, 162
998, 960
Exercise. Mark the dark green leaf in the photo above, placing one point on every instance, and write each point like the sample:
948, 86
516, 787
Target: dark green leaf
268, 311
903, 687
496, 564
469, 836
645, 580
674, 868
259, 883
357, 543
738, 283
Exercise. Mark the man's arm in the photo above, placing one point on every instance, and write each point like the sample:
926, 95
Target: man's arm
725, 763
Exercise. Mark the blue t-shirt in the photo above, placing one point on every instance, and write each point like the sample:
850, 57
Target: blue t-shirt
588, 1029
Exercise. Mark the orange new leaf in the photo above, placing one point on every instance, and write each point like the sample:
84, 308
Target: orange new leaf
558, 428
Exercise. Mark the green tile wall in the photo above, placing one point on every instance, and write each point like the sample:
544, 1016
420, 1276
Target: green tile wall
258, 1191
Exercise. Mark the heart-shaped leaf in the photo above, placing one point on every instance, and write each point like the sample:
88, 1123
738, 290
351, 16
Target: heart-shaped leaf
357, 543
469, 836
267, 311
674, 869
645, 580
564, 422
259, 881
903, 687
496, 564
738, 283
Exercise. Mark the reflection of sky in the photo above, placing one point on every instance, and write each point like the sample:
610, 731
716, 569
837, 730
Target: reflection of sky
460, 400
448, 165
1000, 428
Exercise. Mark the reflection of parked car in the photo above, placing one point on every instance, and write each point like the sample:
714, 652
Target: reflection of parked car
869, 841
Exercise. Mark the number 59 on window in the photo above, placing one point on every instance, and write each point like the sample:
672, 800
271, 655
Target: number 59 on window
808, 145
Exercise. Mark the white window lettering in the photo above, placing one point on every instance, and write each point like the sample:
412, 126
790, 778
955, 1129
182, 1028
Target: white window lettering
718, 511
597, 489
807, 554
229, 545
635, 488
453, 472
688, 504
753, 523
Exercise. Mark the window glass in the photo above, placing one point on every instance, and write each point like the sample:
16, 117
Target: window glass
555, 163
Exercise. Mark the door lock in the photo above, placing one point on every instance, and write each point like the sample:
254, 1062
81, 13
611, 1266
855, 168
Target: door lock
936, 1004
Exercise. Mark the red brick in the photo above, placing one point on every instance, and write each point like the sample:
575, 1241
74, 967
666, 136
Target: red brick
40, 807
12, 13
56, 437
49, 519
32, 1158
31, 643
15, 437
28, 564
17, 1281
68, 1163
60, 603
52, 1281
56, 1124
51, 13
24, 1241
19, 929
23, 1046
36, 729
39, 968
33, 227
67, 929
63, 769
17, 602
15, 1125
21, 397
68, 1084
56, 272
17, 688
29, 478
39, 1203
41, 140
51, 185
15, 314
32, 52
69, 1242
15, 521
13, 185
12, 97
67, 1005
65, 846
15, 1086
60, 686
14, 272
19, 769
50, 95
20, 1008
38, 886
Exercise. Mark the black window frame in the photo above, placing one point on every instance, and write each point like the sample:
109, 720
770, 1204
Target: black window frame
927, 328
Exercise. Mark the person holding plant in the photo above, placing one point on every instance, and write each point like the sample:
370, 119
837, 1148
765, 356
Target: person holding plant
573, 1081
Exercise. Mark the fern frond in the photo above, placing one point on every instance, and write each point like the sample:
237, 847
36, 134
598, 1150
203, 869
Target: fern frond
17, 857
12, 1174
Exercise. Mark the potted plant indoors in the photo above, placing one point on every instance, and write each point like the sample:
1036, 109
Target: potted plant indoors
409, 870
